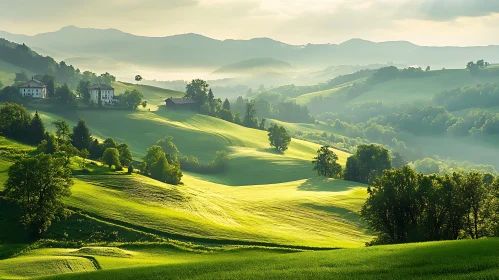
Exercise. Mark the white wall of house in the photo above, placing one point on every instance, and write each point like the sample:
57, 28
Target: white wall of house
107, 96
33, 92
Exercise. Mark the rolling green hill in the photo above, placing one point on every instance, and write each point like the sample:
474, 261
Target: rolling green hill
154, 96
408, 89
467, 259
203, 136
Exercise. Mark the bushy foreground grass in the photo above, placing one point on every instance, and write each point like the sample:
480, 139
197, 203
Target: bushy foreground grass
468, 259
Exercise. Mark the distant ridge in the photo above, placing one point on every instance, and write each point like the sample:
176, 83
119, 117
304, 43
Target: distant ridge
192, 50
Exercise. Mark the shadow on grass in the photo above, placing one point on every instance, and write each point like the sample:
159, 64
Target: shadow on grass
321, 184
271, 151
342, 212
179, 115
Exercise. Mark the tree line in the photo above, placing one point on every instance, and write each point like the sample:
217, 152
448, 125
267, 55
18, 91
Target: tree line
364, 166
405, 206
24, 57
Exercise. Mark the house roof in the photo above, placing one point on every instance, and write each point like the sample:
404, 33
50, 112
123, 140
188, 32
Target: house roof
101, 86
181, 100
33, 84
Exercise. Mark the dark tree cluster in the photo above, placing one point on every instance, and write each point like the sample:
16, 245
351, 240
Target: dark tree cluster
367, 164
18, 124
405, 206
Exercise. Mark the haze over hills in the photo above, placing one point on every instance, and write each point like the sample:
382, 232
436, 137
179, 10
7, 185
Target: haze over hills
197, 53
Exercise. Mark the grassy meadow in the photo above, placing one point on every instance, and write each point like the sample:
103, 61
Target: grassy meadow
409, 89
155, 96
253, 160
468, 259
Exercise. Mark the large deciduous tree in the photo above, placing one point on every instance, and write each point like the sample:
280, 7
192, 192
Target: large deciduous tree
325, 163
279, 138
198, 91
14, 121
38, 184
367, 164
111, 157
132, 98
125, 154
62, 129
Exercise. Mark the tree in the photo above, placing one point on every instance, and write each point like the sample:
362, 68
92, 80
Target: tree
48, 146
36, 130
428, 69
138, 78
67, 151
474, 193
132, 98
398, 161
198, 91
237, 118
130, 169
171, 151
14, 121
84, 154
62, 129
262, 124
111, 157
49, 81
279, 138
38, 184
81, 137
250, 116
226, 104
109, 143
125, 154
144, 104
64, 95
157, 166
96, 149
226, 115
83, 92
367, 164
325, 163
21, 77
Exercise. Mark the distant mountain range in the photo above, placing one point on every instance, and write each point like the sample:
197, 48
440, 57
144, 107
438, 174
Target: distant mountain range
193, 51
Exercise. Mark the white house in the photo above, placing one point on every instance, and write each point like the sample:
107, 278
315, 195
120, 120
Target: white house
33, 88
106, 94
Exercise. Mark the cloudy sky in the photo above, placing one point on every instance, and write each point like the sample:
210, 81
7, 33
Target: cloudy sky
425, 22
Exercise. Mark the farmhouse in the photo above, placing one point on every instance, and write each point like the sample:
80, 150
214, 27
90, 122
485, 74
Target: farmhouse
106, 94
33, 88
180, 103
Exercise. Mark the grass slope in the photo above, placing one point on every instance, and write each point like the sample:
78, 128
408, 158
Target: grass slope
467, 259
314, 212
410, 89
253, 160
153, 95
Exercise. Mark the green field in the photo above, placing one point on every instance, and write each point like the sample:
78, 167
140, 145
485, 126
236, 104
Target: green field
410, 89
153, 95
470, 259
253, 161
